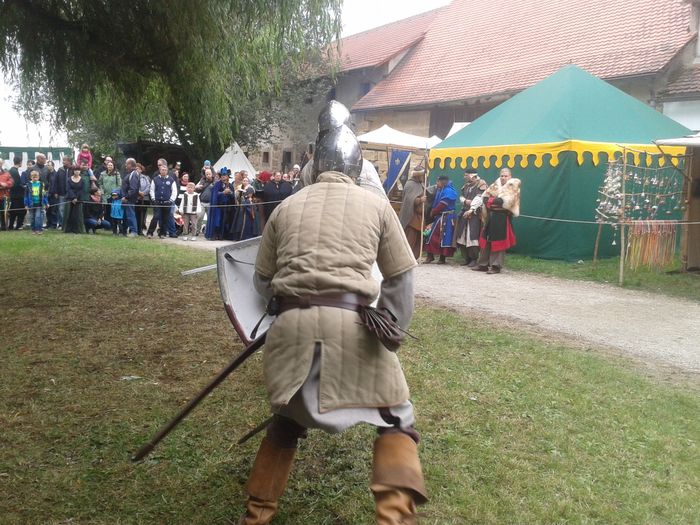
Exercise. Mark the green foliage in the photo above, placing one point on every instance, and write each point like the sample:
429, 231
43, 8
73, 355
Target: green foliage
198, 71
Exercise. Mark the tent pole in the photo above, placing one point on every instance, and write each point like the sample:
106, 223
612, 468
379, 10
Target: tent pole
622, 220
685, 229
422, 211
388, 163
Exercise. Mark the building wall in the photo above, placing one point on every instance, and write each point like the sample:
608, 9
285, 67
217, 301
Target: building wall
295, 139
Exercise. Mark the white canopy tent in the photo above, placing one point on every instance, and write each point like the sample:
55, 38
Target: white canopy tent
389, 136
689, 140
457, 126
235, 160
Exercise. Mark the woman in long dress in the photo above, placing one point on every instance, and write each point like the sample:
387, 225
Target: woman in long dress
75, 195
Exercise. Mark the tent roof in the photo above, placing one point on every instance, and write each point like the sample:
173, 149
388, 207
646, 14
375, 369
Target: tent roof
570, 110
392, 137
235, 160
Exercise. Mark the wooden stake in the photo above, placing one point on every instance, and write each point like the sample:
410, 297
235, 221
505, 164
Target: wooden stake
597, 244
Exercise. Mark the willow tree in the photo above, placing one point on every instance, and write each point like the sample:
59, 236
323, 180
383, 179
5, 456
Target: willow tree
198, 72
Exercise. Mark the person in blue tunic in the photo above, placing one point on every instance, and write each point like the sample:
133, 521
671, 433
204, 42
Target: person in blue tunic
220, 221
442, 214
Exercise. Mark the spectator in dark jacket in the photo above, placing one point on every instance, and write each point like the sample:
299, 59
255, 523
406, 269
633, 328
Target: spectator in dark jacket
130, 194
275, 191
53, 213
59, 186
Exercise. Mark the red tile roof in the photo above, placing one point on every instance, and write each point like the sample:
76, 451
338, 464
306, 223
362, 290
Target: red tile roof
475, 48
688, 82
376, 46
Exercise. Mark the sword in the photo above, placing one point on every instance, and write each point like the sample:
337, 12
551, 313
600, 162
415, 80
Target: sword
165, 430
201, 269
209, 267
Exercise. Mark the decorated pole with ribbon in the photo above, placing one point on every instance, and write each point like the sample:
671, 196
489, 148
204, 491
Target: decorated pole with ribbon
621, 279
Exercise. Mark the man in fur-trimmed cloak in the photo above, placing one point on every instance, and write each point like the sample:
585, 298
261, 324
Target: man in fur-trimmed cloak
469, 220
501, 202
411, 215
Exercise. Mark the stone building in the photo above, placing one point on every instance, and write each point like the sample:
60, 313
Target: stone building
453, 64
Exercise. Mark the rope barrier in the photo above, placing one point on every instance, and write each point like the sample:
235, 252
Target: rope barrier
145, 205
534, 217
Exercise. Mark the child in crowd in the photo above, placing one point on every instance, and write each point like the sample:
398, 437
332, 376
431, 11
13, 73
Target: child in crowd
190, 208
36, 200
93, 213
85, 156
117, 213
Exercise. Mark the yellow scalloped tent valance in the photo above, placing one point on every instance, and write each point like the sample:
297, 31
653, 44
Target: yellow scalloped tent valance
482, 156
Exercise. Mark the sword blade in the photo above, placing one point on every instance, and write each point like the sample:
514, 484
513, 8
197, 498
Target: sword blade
201, 269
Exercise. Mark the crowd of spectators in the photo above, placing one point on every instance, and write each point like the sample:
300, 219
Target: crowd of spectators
79, 197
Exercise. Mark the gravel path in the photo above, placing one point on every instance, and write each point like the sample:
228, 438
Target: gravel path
651, 328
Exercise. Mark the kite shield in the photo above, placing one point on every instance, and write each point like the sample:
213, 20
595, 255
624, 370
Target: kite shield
244, 305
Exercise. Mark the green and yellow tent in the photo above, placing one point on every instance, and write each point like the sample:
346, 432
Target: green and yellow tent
557, 137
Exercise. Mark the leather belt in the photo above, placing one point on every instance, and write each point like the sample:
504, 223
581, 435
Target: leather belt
347, 301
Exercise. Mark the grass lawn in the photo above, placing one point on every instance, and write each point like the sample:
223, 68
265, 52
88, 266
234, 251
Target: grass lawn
103, 341
669, 282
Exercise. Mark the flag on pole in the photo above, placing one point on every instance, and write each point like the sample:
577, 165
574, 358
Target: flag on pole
398, 163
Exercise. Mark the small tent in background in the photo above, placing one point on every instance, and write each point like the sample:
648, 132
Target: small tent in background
388, 136
7, 154
398, 146
557, 137
235, 160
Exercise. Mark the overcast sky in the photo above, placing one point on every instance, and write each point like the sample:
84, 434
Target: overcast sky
358, 16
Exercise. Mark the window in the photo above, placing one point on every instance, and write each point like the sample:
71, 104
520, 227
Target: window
365, 88
266, 157
286, 160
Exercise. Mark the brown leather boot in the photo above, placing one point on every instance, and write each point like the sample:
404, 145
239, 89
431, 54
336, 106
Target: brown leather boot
267, 482
397, 480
